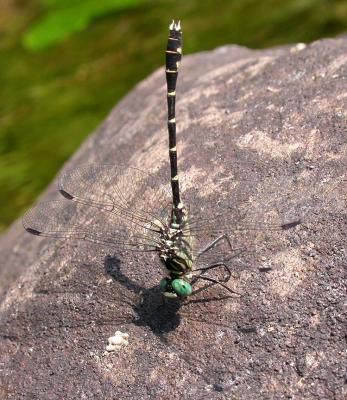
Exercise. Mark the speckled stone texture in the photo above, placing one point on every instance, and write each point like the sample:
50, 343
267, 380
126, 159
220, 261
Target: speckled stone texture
283, 111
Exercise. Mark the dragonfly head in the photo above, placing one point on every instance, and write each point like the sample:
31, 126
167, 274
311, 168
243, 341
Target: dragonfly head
175, 287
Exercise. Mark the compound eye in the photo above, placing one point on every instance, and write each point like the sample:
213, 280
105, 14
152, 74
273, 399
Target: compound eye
181, 287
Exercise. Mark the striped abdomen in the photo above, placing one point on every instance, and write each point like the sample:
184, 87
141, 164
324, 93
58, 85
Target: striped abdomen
173, 58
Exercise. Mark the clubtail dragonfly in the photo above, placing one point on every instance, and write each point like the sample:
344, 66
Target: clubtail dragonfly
129, 209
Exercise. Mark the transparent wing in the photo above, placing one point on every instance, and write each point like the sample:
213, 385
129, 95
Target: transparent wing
260, 217
72, 220
276, 205
132, 193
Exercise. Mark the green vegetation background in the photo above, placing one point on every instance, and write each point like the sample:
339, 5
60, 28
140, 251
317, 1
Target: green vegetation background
65, 63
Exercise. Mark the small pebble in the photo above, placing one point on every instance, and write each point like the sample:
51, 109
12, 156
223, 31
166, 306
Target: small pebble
117, 341
298, 47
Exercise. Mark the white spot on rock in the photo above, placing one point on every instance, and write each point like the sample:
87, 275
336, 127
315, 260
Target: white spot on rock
117, 341
298, 47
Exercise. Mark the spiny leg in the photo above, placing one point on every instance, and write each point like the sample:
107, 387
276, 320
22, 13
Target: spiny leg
233, 252
216, 265
219, 263
205, 278
214, 242
223, 263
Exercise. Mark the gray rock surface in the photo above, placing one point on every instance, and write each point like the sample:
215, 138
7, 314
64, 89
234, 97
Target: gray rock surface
283, 111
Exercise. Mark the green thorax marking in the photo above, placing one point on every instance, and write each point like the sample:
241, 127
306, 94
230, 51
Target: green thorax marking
176, 249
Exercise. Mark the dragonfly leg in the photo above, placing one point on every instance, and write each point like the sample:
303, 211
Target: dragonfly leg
216, 265
212, 266
205, 278
212, 244
219, 263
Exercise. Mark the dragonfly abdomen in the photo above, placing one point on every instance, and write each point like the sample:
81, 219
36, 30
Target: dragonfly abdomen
173, 59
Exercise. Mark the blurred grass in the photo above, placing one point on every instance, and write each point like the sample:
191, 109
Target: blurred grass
54, 97
65, 17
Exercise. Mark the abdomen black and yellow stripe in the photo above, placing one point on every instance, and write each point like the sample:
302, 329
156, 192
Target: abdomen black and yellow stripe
173, 59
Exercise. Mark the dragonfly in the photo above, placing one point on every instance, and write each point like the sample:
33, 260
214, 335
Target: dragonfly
132, 210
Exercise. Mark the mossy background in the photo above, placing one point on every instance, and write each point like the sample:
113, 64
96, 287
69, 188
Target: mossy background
65, 63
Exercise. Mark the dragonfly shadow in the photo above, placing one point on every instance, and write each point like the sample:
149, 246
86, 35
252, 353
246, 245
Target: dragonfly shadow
152, 310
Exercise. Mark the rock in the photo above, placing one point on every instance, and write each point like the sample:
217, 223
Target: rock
282, 112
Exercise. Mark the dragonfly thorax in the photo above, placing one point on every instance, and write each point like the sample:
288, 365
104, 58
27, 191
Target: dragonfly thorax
175, 250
